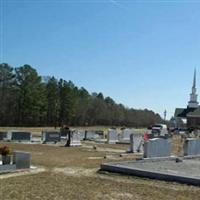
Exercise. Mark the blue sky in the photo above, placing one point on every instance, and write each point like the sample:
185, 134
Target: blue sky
141, 53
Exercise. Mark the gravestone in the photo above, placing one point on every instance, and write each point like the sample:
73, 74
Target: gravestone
82, 135
136, 143
112, 136
125, 136
100, 134
22, 160
191, 147
157, 147
51, 136
91, 135
64, 132
75, 139
3, 135
19, 136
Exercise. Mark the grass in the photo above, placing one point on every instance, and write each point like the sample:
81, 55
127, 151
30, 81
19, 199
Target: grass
71, 173
50, 185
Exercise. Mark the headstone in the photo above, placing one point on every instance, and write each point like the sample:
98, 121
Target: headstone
157, 147
82, 135
100, 133
125, 135
112, 137
22, 160
3, 135
19, 136
91, 135
136, 143
51, 136
75, 139
64, 132
191, 147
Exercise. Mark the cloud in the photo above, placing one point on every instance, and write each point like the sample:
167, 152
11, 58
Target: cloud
115, 3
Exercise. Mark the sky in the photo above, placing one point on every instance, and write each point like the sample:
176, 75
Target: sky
140, 53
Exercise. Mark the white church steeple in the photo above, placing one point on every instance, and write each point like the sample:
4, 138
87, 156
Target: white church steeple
193, 103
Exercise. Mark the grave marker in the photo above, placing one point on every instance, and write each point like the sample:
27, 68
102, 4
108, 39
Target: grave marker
75, 139
51, 136
136, 143
125, 136
22, 160
3, 135
112, 137
157, 147
19, 136
191, 147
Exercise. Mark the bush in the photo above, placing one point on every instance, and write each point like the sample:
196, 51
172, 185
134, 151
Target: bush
5, 150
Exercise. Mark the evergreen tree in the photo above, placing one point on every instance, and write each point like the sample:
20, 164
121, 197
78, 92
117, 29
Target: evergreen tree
31, 98
26, 99
7, 95
52, 101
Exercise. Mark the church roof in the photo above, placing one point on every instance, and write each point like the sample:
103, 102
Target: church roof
178, 111
184, 112
195, 113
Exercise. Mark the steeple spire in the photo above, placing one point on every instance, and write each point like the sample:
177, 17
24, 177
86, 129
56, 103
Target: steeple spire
193, 103
194, 80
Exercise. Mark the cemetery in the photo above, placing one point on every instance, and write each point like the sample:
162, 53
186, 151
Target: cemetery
158, 158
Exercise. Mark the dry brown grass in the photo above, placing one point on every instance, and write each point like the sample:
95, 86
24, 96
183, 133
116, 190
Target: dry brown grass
50, 185
71, 174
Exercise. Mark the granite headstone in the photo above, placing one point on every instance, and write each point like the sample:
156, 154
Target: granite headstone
191, 147
19, 136
51, 136
112, 136
157, 147
136, 143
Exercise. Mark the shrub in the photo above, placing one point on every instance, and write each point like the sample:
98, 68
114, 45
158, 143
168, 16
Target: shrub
5, 150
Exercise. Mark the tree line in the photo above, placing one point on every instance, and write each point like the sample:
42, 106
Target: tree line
27, 99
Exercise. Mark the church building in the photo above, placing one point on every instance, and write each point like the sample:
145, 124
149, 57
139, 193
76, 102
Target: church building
189, 116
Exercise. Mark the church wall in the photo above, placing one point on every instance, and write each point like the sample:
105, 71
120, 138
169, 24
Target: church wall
193, 122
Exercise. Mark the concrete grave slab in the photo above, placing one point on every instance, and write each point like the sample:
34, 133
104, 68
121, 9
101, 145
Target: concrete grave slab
187, 171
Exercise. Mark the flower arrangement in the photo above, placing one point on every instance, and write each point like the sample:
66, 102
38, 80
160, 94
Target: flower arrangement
5, 150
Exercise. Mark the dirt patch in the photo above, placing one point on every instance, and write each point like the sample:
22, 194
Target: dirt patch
76, 171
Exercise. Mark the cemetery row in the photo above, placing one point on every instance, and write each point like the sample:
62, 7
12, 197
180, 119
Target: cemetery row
156, 147
56, 136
